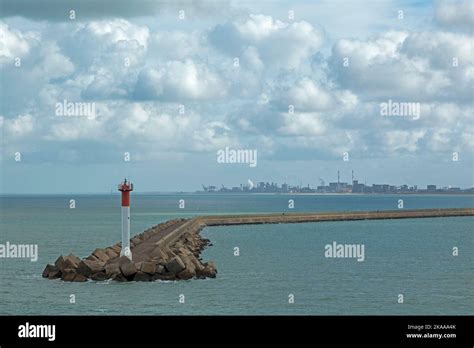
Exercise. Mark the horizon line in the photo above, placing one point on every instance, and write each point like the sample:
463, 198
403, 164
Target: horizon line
446, 193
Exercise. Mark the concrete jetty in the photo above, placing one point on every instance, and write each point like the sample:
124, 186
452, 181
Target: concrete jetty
171, 250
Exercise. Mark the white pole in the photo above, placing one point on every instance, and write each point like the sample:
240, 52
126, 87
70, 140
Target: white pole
126, 233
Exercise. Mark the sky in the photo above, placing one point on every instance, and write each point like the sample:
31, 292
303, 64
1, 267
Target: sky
95, 91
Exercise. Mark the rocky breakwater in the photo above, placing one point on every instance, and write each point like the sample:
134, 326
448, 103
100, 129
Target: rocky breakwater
168, 251
171, 250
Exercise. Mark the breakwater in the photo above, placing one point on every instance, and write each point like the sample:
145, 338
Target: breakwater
171, 250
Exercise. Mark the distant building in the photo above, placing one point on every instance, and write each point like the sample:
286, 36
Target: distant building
431, 188
356, 187
380, 188
338, 187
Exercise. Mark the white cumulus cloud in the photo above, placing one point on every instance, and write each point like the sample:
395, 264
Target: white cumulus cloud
178, 80
279, 44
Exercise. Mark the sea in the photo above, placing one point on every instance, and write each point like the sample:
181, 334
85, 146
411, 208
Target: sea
410, 266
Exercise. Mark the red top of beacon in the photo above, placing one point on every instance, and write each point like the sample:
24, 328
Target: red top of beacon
125, 187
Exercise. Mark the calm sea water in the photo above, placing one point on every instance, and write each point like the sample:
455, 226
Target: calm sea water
412, 257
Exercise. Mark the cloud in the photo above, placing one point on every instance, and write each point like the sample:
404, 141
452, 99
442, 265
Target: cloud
144, 125
178, 80
305, 94
109, 55
18, 126
411, 66
75, 128
308, 95
27, 63
401, 141
96, 41
455, 14
302, 124
177, 44
15, 43
279, 44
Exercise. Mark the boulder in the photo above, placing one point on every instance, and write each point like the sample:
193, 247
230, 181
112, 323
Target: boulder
88, 267
48, 270
185, 274
167, 252
138, 265
54, 275
127, 267
160, 269
68, 274
92, 258
72, 260
112, 269
142, 277
101, 255
190, 265
79, 278
117, 248
148, 267
170, 254
209, 271
112, 254
190, 270
184, 251
197, 264
192, 244
158, 253
69, 261
119, 277
175, 265
99, 276
136, 240
211, 265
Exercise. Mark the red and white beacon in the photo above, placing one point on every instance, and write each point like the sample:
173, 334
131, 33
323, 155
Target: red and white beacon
126, 187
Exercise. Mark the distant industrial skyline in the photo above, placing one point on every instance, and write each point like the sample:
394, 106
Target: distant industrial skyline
334, 187
354, 186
